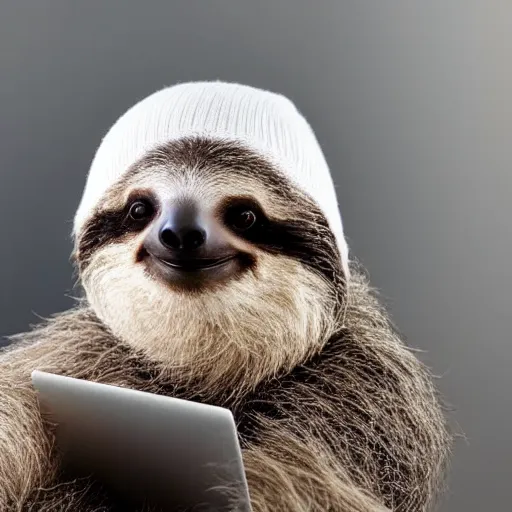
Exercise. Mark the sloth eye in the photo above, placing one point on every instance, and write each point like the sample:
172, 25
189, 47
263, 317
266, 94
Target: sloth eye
242, 219
140, 210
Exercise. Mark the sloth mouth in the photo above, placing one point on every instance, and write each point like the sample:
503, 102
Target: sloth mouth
196, 264
195, 273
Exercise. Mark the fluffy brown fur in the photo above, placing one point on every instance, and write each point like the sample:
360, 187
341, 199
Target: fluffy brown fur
333, 411
356, 428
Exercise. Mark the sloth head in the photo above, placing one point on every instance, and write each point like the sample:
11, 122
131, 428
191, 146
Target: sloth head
208, 235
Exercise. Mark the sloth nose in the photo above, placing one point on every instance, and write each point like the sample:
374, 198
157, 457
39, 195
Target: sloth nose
185, 239
181, 230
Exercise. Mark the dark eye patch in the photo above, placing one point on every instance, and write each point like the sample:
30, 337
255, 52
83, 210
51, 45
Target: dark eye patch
113, 225
308, 240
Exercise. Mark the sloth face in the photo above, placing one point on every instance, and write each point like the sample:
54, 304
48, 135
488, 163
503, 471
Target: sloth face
203, 250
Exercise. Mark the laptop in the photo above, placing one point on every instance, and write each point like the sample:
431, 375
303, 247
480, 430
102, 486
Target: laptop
170, 453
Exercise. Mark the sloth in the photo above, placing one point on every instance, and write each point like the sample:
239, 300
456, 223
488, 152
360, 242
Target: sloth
211, 256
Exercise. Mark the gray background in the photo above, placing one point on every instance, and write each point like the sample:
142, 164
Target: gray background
411, 102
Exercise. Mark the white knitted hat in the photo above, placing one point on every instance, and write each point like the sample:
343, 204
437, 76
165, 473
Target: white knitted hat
264, 121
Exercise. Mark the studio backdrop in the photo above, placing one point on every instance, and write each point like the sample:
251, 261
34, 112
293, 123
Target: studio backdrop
411, 102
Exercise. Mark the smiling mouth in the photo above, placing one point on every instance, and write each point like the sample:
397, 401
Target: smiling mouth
195, 274
195, 265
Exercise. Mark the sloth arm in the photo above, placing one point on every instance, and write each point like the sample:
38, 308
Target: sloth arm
290, 439
27, 461
25, 445
356, 429
287, 473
